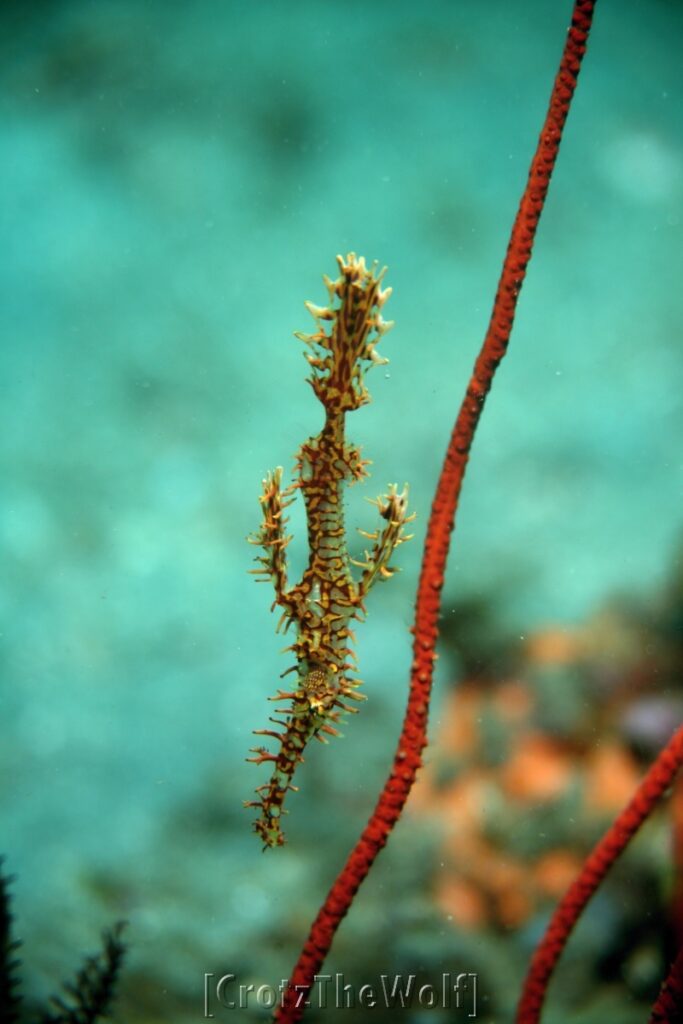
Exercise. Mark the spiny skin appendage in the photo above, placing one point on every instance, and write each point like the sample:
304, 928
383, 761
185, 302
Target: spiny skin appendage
327, 599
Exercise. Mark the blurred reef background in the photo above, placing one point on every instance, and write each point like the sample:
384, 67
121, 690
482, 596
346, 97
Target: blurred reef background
175, 180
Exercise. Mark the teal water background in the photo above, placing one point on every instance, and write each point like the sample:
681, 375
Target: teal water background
175, 181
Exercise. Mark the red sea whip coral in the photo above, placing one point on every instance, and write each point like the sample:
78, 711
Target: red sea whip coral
413, 736
597, 864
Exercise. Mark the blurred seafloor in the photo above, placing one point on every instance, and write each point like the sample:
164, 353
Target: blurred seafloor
175, 179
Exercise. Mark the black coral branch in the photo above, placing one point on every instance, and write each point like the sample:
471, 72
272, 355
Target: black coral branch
10, 999
90, 997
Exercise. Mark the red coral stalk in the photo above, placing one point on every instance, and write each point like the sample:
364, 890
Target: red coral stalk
676, 905
669, 1006
413, 736
613, 843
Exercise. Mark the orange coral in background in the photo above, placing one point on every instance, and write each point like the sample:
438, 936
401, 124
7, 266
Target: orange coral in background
536, 775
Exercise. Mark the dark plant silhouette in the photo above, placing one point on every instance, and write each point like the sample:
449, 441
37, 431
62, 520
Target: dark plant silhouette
87, 1000
10, 1000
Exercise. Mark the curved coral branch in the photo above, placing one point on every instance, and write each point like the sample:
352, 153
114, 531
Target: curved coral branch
613, 843
669, 1005
413, 736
